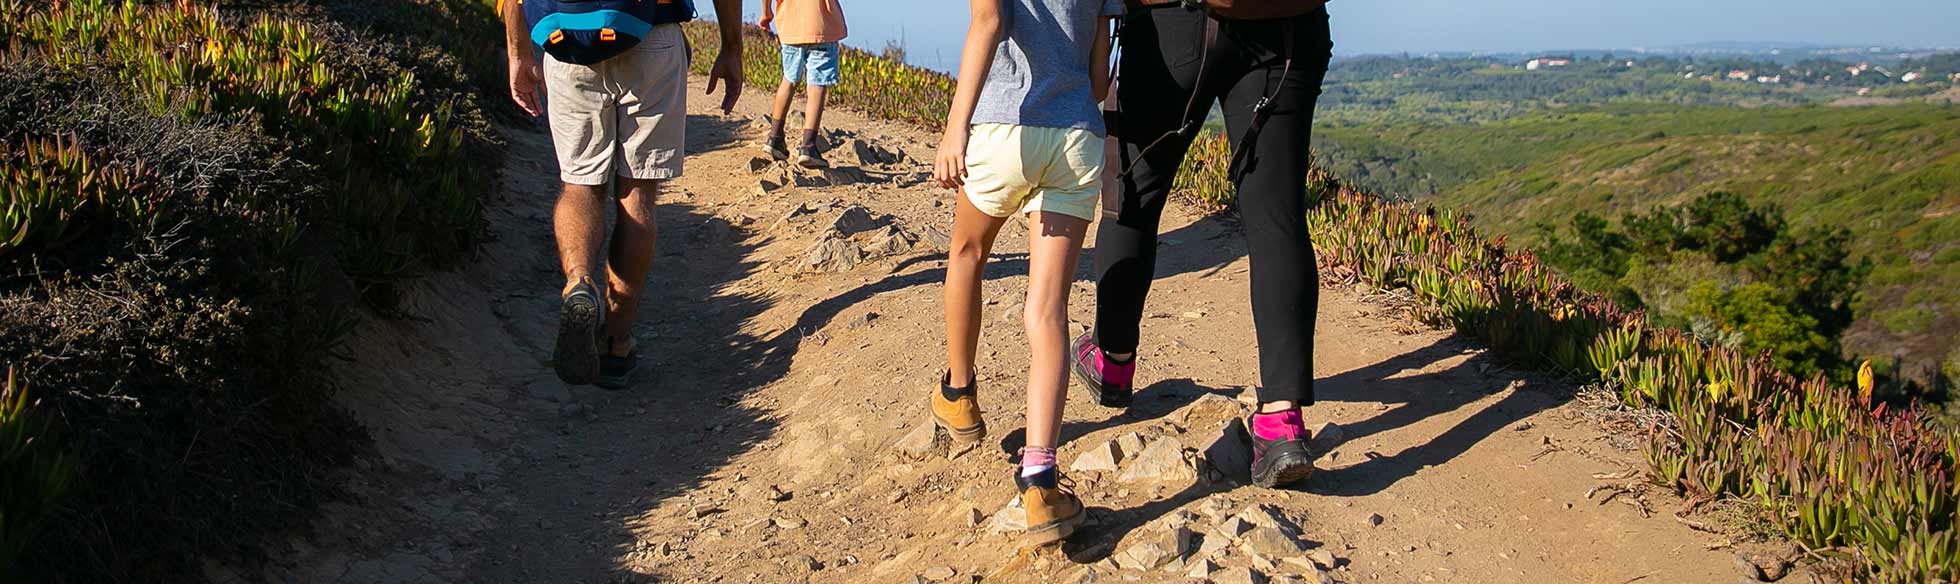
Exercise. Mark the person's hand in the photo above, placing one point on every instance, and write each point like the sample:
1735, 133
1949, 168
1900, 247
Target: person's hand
525, 81
765, 22
949, 166
728, 70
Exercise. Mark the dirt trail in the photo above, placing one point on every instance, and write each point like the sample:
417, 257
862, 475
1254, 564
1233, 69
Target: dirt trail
762, 448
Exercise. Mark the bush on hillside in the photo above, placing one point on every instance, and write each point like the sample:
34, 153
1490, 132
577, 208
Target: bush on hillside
200, 199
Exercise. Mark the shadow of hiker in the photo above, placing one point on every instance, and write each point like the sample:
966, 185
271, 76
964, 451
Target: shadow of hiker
1154, 401
1412, 398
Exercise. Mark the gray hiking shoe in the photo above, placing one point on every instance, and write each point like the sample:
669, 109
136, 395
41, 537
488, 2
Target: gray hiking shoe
577, 354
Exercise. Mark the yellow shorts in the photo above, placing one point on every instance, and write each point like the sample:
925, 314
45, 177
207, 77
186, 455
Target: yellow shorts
1024, 168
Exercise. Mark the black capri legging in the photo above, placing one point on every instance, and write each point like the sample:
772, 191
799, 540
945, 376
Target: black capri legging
1159, 69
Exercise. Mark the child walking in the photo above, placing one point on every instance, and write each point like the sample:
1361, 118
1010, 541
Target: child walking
809, 31
1024, 135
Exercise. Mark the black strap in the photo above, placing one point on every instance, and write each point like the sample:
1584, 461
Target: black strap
1241, 152
1187, 125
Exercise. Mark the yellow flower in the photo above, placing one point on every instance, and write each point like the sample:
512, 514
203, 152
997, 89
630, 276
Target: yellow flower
1865, 381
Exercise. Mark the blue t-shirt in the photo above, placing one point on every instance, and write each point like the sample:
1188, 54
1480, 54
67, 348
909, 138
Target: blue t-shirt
1041, 69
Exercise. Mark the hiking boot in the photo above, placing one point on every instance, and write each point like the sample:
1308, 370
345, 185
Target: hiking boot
777, 147
1281, 461
809, 157
616, 372
1112, 383
1053, 509
579, 316
957, 410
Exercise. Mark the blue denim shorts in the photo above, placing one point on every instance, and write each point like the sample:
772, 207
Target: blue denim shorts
817, 63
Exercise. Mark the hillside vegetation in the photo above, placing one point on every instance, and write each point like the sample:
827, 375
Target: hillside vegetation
1890, 175
197, 199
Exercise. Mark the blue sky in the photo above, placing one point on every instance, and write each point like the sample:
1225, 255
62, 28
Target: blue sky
932, 28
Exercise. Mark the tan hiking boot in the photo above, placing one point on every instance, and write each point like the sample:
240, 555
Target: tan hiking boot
1053, 509
957, 410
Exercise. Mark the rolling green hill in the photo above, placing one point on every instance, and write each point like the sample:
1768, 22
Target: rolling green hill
1889, 174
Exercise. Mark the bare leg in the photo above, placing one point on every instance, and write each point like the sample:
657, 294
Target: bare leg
972, 241
579, 221
1054, 248
813, 108
784, 93
629, 260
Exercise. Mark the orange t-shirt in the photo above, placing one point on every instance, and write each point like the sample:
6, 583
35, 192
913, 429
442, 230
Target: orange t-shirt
805, 22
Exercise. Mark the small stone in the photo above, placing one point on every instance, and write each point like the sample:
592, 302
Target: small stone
855, 219
1145, 556
1374, 520
921, 442
1104, 458
890, 241
1270, 543
802, 180
938, 239
832, 255
1129, 444
1323, 559
1214, 543
1230, 452
1010, 519
1013, 312
1201, 569
806, 562
1234, 526
1193, 315
939, 573
704, 510
861, 321
759, 164
1326, 437
1750, 571
1238, 576
973, 517
1163, 462
788, 523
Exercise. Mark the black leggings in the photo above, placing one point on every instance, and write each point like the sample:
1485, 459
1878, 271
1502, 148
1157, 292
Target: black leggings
1158, 71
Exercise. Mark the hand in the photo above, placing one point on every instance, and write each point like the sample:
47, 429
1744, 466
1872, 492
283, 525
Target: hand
765, 22
949, 167
728, 70
525, 80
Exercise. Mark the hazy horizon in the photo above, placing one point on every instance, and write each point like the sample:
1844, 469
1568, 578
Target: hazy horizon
932, 32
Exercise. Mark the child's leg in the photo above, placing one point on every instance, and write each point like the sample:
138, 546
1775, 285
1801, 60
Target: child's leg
785, 91
813, 109
1054, 246
972, 241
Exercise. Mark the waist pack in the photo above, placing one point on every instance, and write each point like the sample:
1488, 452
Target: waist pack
586, 32
1241, 9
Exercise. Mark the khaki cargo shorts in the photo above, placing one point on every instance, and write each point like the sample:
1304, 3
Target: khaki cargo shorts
625, 116
1026, 169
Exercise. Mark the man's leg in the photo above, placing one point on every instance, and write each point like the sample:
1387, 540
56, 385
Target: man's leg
629, 260
813, 111
579, 222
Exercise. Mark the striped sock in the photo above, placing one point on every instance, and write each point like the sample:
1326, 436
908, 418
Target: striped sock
1035, 459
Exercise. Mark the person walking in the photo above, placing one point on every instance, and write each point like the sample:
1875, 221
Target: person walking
808, 31
1262, 63
614, 78
1024, 136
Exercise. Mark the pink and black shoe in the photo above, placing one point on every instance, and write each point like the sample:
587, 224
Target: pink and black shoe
1279, 449
1111, 382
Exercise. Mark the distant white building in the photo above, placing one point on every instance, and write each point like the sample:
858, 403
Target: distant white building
1769, 79
1739, 75
1546, 63
1910, 76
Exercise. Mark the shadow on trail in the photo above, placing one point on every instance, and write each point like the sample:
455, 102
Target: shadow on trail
620, 454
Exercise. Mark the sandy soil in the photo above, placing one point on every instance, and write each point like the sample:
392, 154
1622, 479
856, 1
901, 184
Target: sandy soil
761, 447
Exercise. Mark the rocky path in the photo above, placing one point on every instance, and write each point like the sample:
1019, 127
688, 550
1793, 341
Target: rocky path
794, 331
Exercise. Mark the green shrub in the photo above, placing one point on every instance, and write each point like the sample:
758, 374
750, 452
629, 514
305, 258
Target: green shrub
34, 471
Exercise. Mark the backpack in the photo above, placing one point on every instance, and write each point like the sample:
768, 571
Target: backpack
587, 32
1241, 9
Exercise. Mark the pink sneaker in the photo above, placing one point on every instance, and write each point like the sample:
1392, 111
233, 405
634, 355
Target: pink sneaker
1112, 382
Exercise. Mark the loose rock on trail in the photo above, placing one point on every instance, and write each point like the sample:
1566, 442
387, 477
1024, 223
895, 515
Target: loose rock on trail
793, 329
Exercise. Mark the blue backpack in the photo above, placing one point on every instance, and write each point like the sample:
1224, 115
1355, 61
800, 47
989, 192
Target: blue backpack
586, 32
